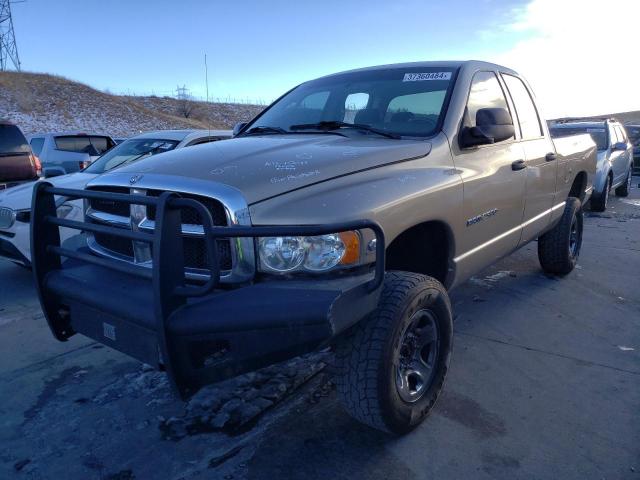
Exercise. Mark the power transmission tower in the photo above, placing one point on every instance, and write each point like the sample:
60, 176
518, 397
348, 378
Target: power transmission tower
182, 93
8, 47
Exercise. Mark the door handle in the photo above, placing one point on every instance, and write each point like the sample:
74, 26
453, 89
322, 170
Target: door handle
550, 157
518, 165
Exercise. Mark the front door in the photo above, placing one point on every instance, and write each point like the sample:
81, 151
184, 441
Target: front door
493, 187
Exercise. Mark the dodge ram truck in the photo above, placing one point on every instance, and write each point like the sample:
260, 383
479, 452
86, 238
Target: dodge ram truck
340, 216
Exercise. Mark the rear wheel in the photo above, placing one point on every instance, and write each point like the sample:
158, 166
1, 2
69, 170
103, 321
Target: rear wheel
391, 367
599, 202
558, 249
623, 190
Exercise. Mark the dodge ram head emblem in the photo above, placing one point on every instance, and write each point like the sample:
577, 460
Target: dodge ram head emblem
135, 179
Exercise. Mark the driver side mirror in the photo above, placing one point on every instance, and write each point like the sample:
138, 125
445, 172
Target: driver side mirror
619, 147
492, 125
238, 128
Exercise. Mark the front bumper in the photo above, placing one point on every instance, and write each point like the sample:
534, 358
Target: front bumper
221, 335
197, 334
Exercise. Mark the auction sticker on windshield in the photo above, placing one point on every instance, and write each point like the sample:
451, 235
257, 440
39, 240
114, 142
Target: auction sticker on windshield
420, 77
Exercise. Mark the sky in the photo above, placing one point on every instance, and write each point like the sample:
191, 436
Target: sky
577, 55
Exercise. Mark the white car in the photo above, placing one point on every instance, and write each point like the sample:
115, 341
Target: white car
15, 203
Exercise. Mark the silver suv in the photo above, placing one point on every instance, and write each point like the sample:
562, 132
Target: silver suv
615, 155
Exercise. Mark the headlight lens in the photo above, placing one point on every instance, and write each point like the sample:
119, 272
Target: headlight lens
314, 254
282, 254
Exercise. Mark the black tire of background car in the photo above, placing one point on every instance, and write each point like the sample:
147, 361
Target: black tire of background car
623, 190
554, 247
599, 202
364, 357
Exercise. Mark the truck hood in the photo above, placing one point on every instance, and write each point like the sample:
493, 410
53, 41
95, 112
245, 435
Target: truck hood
19, 198
266, 166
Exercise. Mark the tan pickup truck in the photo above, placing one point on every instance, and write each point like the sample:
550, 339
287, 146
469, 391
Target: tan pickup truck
340, 216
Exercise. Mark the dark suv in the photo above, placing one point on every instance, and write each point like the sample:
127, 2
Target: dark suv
17, 162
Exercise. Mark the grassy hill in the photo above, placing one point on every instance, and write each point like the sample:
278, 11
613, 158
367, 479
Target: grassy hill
40, 102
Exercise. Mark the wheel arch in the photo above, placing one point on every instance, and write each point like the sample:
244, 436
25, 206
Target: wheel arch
579, 186
425, 248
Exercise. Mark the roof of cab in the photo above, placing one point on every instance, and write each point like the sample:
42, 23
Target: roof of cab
449, 64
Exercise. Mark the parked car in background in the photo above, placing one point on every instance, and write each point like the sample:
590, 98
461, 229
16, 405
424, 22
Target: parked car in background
633, 131
15, 231
17, 162
615, 155
62, 153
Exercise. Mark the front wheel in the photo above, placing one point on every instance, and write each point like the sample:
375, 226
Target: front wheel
391, 367
558, 249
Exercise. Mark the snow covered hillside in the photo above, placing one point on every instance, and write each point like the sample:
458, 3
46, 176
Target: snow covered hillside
40, 103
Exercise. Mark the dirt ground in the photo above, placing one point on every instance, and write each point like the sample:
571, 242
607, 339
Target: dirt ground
544, 383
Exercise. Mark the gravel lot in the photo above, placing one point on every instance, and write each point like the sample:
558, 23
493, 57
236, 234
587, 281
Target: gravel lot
544, 383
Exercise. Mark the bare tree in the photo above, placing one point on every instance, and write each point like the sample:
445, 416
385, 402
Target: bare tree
185, 104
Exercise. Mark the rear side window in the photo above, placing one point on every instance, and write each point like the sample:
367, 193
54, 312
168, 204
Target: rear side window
525, 108
36, 145
622, 137
12, 140
485, 93
93, 145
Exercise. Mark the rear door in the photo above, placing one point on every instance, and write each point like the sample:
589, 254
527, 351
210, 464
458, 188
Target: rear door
16, 163
540, 157
493, 190
622, 161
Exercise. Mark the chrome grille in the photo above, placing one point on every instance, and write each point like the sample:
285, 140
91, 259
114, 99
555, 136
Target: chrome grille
109, 206
124, 216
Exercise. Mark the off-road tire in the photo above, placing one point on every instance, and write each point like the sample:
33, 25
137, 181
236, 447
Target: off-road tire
554, 247
599, 202
364, 369
623, 190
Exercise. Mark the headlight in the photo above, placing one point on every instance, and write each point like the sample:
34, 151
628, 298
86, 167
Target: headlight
314, 254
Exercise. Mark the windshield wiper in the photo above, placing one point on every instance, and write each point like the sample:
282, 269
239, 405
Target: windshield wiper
336, 124
265, 129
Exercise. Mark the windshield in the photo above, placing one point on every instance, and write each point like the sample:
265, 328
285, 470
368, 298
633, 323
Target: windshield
93, 145
129, 151
12, 140
599, 134
398, 101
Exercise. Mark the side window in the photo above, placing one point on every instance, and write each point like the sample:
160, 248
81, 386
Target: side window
485, 93
36, 145
354, 103
525, 108
621, 134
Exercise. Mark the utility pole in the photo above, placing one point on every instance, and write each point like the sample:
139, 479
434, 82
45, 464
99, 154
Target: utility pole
8, 47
